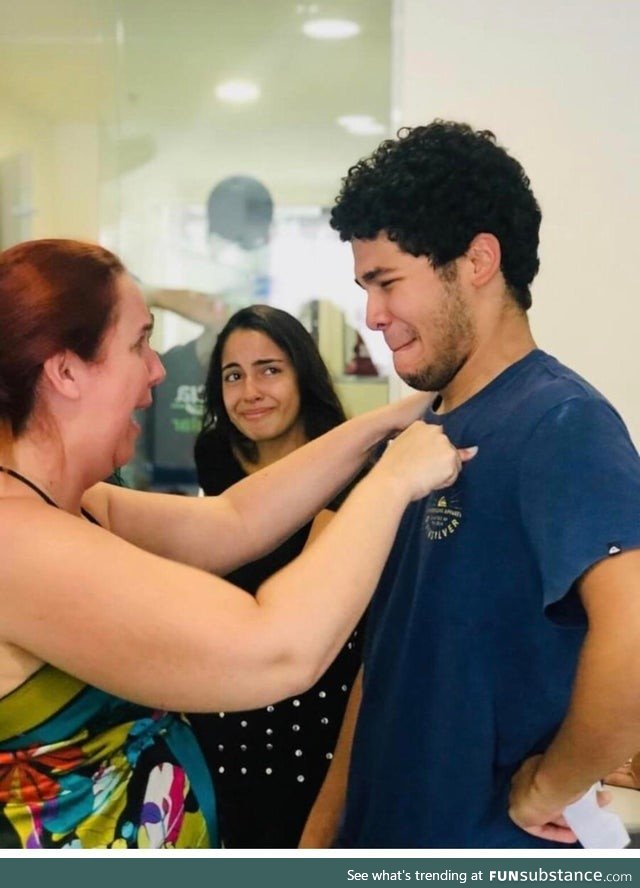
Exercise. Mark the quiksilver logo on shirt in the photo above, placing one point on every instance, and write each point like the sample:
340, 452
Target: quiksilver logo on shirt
442, 515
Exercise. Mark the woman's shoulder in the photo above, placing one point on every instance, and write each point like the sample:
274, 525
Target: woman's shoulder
30, 526
31, 532
17, 514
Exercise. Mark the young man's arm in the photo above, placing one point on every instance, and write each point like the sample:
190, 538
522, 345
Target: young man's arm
602, 726
324, 818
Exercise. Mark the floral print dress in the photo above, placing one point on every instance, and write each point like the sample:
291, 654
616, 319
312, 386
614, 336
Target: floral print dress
80, 768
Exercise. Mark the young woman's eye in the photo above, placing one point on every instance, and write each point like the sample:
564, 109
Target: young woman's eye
231, 377
271, 371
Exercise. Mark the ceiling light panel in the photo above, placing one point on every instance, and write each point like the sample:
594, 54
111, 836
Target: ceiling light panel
330, 28
238, 92
361, 124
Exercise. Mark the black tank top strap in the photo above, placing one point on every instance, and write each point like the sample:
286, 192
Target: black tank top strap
42, 494
30, 484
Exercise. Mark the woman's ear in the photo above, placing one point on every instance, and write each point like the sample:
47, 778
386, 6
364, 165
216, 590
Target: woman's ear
61, 373
485, 256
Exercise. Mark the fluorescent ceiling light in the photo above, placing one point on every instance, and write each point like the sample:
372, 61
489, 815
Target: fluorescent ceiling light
238, 92
330, 29
361, 125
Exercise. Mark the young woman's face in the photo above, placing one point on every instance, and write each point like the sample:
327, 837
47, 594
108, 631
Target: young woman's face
259, 387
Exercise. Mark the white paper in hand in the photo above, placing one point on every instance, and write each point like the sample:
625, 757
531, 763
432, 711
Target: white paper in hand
594, 826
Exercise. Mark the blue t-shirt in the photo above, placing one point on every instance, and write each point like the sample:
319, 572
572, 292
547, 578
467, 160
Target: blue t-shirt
475, 629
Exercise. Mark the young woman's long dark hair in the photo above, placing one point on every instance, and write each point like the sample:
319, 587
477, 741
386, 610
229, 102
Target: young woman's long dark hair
320, 408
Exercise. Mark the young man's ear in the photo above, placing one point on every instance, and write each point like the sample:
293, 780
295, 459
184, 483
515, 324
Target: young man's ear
61, 373
485, 256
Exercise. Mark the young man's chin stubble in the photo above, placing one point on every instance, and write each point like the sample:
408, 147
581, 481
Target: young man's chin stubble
454, 329
457, 343
435, 378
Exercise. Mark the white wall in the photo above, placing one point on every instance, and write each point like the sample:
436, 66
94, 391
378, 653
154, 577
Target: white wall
559, 84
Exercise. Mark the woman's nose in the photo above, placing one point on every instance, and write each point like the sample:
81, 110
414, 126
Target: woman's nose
157, 371
251, 390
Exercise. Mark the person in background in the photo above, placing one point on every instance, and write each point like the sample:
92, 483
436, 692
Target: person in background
501, 661
267, 393
164, 452
239, 219
112, 617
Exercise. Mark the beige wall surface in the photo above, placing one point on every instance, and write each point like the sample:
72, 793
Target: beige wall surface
558, 83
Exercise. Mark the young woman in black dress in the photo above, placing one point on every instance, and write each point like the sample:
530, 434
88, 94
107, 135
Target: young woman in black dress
268, 392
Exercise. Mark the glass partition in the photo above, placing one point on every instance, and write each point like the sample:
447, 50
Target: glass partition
203, 141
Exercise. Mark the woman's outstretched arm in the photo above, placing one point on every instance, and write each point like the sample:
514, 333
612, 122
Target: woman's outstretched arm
254, 516
174, 637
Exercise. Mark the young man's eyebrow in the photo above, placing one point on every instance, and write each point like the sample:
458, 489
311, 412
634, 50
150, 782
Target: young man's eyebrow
370, 276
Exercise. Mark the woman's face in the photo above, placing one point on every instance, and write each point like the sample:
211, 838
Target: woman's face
122, 379
259, 387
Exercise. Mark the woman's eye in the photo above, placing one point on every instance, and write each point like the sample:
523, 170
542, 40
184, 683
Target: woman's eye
143, 342
271, 371
231, 377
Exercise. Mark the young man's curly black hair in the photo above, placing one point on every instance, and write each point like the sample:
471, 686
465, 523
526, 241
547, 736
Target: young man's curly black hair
433, 189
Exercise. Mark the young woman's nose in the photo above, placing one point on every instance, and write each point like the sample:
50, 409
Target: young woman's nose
251, 390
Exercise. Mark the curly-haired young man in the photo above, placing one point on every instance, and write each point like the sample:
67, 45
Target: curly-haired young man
501, 666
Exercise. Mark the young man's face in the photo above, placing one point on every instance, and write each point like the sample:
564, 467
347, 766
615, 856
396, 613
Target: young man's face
422, 313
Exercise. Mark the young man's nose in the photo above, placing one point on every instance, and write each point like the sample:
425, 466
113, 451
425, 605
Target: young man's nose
377, 316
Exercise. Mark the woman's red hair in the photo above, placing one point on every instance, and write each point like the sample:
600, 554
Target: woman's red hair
54, 295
